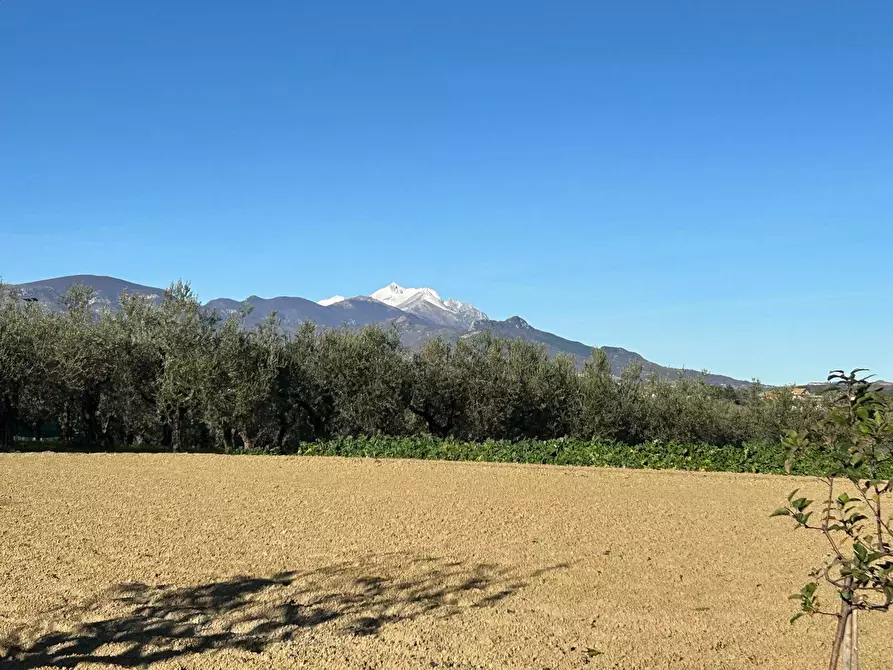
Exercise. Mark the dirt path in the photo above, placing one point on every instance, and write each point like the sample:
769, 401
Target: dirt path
260, 562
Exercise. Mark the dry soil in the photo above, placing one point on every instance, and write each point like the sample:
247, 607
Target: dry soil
265, 562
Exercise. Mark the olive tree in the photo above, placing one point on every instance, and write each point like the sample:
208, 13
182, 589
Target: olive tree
139, 367
240, 393
305, 403
436, 391
25, 362
600, 406
86, 355
362, 372
185, 338
544, 394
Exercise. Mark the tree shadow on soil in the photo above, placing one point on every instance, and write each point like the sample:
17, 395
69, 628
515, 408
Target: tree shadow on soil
136, 624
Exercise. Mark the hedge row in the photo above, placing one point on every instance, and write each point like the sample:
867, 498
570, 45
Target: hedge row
755, 457
765, 458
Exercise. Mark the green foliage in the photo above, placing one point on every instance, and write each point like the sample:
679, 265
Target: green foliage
855, 442
436, 391
363, 374
170, 373
23, 367
764, 458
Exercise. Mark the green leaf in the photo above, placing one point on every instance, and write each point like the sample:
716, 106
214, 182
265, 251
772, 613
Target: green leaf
796, 616
801, 504
861, 578
781, 511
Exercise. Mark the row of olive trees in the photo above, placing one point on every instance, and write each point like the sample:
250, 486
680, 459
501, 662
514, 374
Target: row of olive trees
172, 374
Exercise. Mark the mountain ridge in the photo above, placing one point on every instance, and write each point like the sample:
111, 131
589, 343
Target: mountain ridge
419, 314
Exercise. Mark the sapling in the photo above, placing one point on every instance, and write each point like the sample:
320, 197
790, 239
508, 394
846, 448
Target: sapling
856, 440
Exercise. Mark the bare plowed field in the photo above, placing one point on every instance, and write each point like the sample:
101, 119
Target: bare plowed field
263, 562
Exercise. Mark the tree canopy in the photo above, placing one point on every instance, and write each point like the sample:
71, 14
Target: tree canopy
176, 375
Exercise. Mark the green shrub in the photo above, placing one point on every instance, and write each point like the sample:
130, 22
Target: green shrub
757, 457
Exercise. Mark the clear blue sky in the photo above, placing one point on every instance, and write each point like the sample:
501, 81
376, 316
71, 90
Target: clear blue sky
707, 183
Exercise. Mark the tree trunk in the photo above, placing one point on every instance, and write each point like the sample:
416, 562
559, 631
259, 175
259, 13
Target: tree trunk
841, 636
38, 435
7, 425
433, 426
851, 642
167, 435
247, 442
228, 438
65, 430
89, 412
282, 432
179, 442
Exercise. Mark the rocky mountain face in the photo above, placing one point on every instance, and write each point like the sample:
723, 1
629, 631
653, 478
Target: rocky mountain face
418, 314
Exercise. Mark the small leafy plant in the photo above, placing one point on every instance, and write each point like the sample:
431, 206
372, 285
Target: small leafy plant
857, 438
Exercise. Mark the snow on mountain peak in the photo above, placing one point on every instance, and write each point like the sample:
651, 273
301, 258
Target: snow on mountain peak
331, 301
421, 300
395, 295
424, 302
458, 306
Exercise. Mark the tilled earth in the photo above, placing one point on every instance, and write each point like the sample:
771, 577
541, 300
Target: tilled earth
197, 561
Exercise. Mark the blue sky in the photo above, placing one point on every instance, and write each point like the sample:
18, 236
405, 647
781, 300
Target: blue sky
707, 183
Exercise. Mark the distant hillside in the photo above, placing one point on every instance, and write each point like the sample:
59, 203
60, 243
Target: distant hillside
418, 314
517, 328
107, 290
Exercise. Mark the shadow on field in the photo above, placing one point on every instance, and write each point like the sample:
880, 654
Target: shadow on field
135, 624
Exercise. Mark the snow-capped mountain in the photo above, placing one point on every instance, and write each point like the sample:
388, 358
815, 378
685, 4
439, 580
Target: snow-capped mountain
331, 301
395, 295
426, 302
